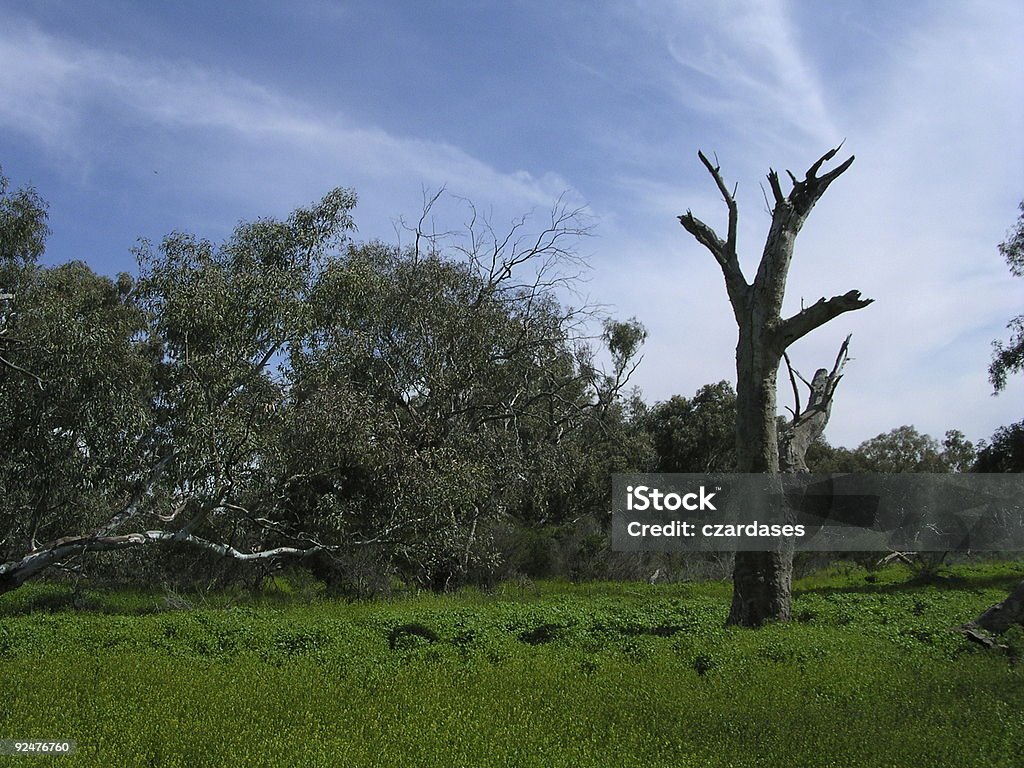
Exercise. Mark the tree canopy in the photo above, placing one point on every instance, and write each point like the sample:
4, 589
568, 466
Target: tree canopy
1009, 357
695, 434
1003, 452
368, 410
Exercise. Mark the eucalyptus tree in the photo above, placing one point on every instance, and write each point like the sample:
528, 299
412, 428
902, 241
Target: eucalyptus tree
23, 232
696, 434
1003, 452
167, 387
289, 393
470, 395
1006, 451
1009, 358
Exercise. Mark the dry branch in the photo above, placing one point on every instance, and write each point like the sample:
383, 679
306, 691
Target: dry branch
808, 424
16, 572
816, 315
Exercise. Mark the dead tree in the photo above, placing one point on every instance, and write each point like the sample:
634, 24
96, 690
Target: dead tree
762, 580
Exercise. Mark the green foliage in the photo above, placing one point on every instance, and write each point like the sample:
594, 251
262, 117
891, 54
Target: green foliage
958, 452
902, 449
602, 674
219, 318
23, 232
433, 397
697, 434
623, 340
1004, 452
387, 409
75, 414
1009, 358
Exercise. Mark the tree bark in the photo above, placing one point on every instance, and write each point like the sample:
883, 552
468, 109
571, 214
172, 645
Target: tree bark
762, 581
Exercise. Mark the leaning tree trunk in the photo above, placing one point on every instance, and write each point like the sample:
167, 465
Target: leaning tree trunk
762, 581
14, 573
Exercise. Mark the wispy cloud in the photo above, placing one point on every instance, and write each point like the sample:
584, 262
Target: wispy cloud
78, 101
742, 62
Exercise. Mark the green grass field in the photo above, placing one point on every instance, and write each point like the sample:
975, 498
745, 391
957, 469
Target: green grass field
553, 675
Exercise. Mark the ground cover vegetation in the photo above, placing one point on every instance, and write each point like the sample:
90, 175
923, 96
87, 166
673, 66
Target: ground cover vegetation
544, 673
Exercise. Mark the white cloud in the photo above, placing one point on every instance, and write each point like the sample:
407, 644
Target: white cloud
749, 68
37, 87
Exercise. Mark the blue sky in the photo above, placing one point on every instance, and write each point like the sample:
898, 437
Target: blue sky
136, 119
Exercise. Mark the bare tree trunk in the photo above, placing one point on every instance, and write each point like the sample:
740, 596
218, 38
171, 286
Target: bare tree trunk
762, 581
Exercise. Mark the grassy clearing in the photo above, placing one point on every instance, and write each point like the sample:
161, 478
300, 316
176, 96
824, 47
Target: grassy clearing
552, 675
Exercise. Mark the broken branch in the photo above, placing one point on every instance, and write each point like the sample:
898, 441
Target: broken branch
818, 314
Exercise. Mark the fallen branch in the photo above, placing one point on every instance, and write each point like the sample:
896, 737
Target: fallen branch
970, 631
894, 556
16, 572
